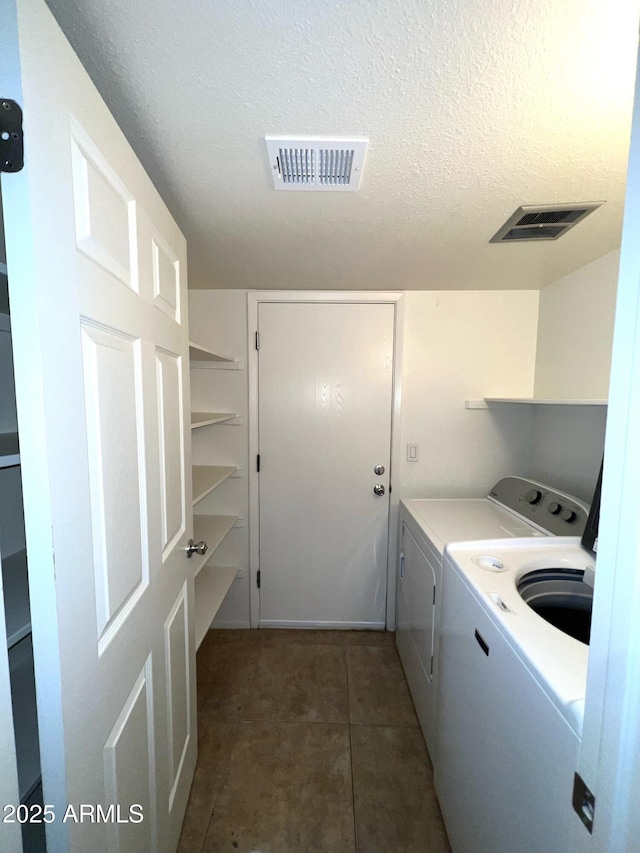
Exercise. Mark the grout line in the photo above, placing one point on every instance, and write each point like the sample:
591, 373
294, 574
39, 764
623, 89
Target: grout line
353, 784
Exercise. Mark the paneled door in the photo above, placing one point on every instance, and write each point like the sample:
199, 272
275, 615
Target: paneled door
97, 278
324, 411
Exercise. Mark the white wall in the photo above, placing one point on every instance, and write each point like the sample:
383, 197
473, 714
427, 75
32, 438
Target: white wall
575, 332
573, 360
465, 345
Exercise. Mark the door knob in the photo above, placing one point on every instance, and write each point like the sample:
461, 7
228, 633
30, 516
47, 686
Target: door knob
378, 490
379, 469
196, 548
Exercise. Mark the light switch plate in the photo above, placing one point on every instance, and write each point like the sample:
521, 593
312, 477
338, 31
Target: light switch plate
413, 452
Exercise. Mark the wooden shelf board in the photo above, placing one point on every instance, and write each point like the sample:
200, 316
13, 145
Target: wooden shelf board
200, 353
16, 597
206, 478
212, 585
201, 419
9, 449
213, 529
25, 722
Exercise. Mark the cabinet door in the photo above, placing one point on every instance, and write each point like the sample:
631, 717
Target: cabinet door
415, 630
97, 281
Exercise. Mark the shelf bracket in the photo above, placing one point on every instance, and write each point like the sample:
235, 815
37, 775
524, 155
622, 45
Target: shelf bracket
11, 136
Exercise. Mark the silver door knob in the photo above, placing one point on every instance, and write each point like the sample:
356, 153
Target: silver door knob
196, 548
378, 490
379, 469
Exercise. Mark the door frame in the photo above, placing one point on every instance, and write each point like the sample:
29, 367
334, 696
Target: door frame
254, 298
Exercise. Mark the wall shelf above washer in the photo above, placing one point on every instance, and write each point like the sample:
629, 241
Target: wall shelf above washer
487, 402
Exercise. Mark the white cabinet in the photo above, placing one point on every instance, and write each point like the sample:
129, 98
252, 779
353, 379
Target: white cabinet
19, 748
212, 581
417, 597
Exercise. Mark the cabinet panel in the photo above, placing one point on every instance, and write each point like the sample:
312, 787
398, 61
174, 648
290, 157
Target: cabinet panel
115, 433
176, 633
415, 633
172, 494
129, 761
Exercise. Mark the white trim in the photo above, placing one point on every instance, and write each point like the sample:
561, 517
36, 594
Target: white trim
254, 297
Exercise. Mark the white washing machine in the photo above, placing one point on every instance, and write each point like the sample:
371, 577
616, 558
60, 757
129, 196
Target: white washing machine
514, 508
513, 669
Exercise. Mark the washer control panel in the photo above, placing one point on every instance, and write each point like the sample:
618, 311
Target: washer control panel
553, 512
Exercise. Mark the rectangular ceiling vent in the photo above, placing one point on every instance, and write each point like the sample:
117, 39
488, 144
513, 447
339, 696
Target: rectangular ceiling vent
314, 163
543, 221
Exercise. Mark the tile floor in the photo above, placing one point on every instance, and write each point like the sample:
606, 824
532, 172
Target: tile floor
308, 743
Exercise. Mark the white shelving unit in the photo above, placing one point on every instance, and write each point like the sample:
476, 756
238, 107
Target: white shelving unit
199, 353
486, 402
206, 478
16, 597
212, 582
15, 576
202, 419
9, 449
25, 723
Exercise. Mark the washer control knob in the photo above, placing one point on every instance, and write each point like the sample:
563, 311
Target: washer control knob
554, 508
568, 515
533, 496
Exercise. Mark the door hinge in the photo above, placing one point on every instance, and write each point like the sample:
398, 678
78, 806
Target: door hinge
11, 136
434, 596
584, 802
257, 340
258, 579
258, 463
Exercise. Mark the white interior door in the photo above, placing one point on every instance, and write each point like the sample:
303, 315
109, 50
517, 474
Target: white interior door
97, 280
324, 411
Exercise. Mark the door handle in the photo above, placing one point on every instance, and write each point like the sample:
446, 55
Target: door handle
378, 490
196, 548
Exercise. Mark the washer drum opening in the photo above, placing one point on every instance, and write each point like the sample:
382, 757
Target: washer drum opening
562, 598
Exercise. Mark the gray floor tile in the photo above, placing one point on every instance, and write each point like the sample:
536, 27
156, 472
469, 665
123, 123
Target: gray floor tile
288, 790
215, 739
225, 667
378, 692
395, 802
299, 683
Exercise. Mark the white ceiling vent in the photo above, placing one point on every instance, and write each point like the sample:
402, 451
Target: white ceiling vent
313, 163
543, 221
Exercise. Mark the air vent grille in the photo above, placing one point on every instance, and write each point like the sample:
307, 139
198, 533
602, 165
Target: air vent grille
316, 164
543, 221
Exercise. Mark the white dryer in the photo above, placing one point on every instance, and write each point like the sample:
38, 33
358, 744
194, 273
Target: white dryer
514, 508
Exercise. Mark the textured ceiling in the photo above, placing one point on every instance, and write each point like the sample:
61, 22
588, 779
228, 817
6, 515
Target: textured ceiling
472, 108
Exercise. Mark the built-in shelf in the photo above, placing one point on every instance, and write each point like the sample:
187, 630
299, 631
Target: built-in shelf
530, 401
199, 353
213, 529
212, 584
25, 717
202, 419
206, 478
16, 597
9, 449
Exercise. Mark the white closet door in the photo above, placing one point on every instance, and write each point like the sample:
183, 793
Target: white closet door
97, 271
325, 395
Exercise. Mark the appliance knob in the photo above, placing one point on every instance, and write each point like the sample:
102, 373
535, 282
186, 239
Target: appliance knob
533, 496
554, 508
568, 515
